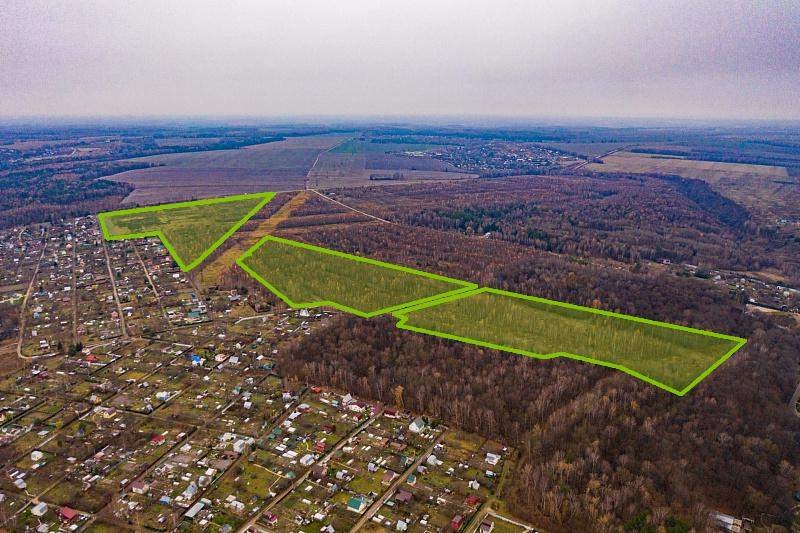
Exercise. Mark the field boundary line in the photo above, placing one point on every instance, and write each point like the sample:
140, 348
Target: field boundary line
465, 286
402, 313
403, 317
266, 197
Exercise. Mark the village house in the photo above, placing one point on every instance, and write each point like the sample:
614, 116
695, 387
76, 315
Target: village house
417, 425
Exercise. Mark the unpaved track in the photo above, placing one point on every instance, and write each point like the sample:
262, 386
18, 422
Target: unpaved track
23, 308
352, 208
298, 481
389, 492
122, 325
243, 239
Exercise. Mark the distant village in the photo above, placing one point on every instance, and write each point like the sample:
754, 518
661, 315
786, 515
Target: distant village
496, 158
759, 292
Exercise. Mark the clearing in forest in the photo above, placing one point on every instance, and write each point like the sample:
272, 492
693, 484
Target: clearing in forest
303, 275
675, 358
710, 171
191, 231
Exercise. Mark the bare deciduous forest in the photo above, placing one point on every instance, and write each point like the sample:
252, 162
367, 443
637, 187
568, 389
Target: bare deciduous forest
598, 450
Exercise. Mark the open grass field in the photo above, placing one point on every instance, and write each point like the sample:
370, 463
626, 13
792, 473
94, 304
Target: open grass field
275, 166
672, 357
342, 168
190, 230
308, 276
763, 189
283, 204
711, 171
319, 161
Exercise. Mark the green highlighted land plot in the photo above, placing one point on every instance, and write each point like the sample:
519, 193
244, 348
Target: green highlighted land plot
191, 231
672, 357
675, 358
303, 275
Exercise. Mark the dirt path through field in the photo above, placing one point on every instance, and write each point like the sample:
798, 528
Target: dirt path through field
114, 291
23, 308
316, 160
244, 239
352, 208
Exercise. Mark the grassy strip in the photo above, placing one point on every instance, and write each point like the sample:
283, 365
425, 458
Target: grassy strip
674, 358
303, 275
191, 231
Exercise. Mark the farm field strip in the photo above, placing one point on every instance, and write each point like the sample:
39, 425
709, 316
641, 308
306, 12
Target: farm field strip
708, 170
190, 231
303, 275
766, 190
672, 357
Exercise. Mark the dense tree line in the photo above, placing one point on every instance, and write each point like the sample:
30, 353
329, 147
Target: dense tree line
597, 447
58, 191
624, 218
45, 173
40, 212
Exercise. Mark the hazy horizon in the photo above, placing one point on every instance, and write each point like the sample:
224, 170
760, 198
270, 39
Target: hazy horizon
410, 121
411, 60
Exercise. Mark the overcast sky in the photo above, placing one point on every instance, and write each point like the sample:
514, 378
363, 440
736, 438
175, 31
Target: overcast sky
654, 58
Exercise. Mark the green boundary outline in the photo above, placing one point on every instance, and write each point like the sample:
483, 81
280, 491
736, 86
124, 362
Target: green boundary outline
402, 311
102, 217
403, 316
465, 285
